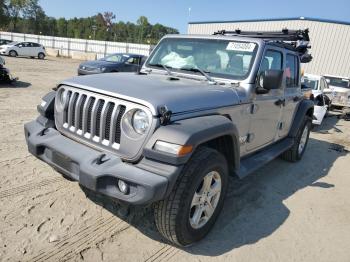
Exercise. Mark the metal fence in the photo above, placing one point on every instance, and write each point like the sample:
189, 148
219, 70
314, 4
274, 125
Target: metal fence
68, 45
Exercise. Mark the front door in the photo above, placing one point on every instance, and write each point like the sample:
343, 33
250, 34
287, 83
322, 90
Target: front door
266, 108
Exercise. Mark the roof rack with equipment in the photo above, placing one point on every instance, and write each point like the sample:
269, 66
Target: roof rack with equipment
296, 39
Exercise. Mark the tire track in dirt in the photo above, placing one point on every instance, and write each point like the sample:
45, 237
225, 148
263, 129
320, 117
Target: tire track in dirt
42, 200
71, 245
165, 253
28, 187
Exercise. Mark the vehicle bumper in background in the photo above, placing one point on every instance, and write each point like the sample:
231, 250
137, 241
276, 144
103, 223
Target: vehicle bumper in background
85, 72
149, 181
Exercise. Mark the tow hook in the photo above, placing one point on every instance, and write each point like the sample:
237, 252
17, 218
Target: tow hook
102, 159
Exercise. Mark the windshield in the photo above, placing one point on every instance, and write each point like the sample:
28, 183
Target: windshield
310, 83
115, 58
217, 58
338, 82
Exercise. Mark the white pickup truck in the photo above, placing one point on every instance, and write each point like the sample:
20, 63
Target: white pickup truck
340, 88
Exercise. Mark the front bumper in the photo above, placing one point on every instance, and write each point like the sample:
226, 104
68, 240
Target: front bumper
149, 181
82, 72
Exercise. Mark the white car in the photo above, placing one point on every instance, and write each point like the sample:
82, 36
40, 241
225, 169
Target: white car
340, 88
23, 49
322, 100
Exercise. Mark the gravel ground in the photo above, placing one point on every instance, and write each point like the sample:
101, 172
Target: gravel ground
283, 212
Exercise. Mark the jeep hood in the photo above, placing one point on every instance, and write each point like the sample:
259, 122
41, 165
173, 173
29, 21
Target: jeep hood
153, 90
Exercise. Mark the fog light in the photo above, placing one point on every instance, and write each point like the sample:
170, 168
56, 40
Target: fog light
123, 187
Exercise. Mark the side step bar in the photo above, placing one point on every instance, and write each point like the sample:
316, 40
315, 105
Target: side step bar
257, 160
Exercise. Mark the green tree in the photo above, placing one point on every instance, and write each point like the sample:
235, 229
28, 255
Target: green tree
27, 16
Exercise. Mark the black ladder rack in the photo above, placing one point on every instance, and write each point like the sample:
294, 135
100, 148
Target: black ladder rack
295, 39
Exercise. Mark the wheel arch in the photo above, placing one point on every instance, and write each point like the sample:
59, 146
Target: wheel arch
305, 108
215, 131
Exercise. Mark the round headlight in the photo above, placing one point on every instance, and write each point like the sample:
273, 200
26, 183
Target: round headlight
140, 122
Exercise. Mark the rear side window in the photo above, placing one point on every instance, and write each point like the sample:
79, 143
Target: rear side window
292, 71
272, 60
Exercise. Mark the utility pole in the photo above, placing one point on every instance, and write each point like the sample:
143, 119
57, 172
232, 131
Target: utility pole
94, 29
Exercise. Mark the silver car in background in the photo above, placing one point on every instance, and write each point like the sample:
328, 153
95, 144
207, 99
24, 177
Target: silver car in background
28, 49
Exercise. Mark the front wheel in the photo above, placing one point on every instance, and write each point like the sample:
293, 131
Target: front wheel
190, 211
296, 152
13, 53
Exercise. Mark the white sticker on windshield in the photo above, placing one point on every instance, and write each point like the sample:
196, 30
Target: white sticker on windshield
239, 46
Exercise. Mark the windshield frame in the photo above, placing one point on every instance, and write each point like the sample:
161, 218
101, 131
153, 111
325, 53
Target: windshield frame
216, 76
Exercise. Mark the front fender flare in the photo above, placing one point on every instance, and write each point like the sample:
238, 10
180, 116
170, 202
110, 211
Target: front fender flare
195, 132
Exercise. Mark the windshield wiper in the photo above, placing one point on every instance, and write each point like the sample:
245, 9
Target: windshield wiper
166, 68
197, 69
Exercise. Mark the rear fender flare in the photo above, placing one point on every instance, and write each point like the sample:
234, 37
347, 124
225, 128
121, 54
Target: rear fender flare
306, 107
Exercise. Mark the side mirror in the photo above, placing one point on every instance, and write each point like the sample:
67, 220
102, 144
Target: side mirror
328, 81
269, 80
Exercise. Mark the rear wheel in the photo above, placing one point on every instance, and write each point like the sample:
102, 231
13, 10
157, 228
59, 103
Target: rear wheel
296, 152
190, 211
13, 53
41, 56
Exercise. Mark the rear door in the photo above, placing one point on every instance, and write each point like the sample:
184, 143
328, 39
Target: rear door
266, 110
292, 92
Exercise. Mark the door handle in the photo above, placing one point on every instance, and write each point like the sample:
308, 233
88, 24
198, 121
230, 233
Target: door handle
296, 98
280, 102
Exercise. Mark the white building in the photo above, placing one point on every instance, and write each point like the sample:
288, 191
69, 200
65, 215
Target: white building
330, 40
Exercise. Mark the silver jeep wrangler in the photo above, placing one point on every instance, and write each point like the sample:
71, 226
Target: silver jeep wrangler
201, 109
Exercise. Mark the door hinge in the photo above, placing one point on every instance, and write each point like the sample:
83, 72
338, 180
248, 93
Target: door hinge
280, 126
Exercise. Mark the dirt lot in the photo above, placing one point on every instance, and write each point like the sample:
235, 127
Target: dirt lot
284, 212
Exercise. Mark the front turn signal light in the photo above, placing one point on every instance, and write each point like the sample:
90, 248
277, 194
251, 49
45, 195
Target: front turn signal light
174, 149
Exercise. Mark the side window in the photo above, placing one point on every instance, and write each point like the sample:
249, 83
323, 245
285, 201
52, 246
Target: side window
292, 71
272, 60
133, 60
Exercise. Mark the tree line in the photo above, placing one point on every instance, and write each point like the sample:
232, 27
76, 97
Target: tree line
27, 16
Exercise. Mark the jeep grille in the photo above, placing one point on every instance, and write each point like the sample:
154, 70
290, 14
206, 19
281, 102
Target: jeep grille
97, 120
93, 118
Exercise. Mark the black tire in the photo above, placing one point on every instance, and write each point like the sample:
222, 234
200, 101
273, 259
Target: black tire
293, 154
172, 215
13, 53
41, 56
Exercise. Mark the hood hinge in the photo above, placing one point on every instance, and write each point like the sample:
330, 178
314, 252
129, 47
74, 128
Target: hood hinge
164, 115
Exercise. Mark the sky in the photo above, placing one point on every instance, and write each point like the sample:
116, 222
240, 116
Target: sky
178, 13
